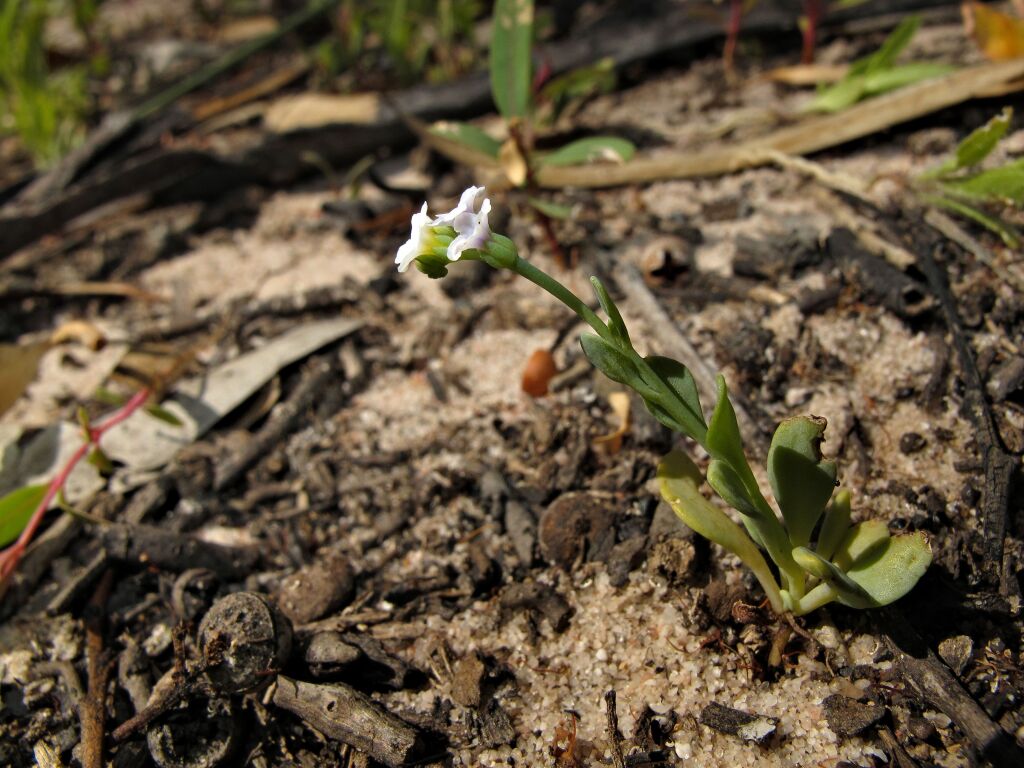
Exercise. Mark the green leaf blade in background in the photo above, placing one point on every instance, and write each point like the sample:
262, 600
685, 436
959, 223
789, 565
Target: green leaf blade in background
590, 149
16, 509
1003, 184
511, 38
467, 135
977, 146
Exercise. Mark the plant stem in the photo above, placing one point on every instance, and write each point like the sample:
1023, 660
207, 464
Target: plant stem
817, 597
543, 280
10, 557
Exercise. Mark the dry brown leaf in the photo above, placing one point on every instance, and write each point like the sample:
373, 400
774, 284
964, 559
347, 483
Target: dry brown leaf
538, 372
807, 74
612, 442
248, 28
277, 79
19, 364
999, 35
315, 110
82, 331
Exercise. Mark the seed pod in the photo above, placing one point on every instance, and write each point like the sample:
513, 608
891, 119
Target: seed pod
245, 640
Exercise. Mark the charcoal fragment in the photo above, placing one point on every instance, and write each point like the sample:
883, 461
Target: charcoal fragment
847, 716
735, 722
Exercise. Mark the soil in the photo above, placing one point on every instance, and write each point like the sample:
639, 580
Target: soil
466, 564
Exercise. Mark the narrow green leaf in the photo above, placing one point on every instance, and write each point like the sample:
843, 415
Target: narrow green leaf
679, 380
1003, 184
469, 136
590, 149
610, 361
160, 413
1007, 233
977, 146
877, 83
106, 396
16, 509
838, 97
615, 322
511, 38
725, 444
679, 482
885, 57
552, 210
101, 461
801, 480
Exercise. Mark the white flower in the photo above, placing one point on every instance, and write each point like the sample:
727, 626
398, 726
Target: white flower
462, 216
469, 220
419, 241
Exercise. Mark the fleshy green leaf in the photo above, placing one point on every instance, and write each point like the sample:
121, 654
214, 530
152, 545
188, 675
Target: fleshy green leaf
860, 540
590, 149
16, 509
725, 444
615, 322
887, 572
802, 481
728, 485
835, 525
511, 38
611, 362
977, 146
467, 135
679, 380
850, 592
679, 482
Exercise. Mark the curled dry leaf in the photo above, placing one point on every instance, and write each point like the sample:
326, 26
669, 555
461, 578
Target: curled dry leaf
612, 442
538, 372
513, 163
998, 35
85, 333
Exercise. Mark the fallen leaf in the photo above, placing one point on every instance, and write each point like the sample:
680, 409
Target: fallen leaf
999, 35
19, 364
612, 442
513, 163
85, 333
808, 74
315, 110
538, 372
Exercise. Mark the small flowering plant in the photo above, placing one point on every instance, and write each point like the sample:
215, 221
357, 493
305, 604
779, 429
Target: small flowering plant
819, 555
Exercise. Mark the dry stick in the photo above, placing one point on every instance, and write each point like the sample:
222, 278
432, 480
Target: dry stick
94, 706
613, 729
805, 137
999, 465
314, 379
933, 681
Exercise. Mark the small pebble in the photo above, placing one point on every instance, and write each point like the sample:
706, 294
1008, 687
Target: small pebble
911, 442
956, 652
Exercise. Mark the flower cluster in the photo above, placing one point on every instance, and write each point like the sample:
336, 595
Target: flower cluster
462, 230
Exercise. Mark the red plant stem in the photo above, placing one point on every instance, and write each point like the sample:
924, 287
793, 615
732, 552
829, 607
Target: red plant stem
10, 557
812, 15
732, 33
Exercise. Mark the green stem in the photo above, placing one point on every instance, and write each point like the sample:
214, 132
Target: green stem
543, 280
821, 595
